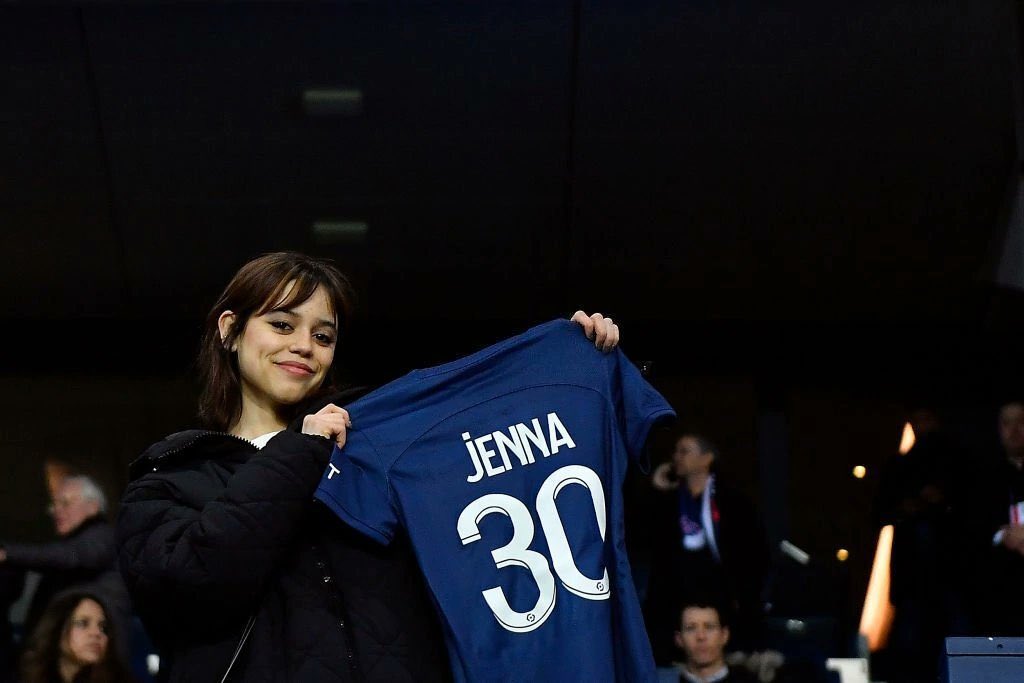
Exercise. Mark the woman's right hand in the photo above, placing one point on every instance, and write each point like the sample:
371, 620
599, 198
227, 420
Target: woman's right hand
330, 422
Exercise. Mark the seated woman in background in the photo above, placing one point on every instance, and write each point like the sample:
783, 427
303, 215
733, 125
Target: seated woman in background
73, 643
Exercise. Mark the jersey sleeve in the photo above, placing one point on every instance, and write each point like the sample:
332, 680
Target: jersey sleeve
355, 487
638, 404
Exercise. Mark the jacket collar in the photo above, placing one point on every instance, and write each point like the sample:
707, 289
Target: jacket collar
180, 446
98, 518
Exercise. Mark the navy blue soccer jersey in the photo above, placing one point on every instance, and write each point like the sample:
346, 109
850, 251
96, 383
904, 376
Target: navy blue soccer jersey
506, 469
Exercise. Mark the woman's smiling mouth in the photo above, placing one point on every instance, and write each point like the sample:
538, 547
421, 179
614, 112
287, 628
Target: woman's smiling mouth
295, 368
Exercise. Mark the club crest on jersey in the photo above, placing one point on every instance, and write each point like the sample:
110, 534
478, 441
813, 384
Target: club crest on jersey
520, 440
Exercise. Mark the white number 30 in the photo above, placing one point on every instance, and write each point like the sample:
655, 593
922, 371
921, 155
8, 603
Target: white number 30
517, 552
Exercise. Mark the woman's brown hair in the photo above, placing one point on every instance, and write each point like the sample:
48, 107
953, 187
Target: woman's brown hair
40, 662
259, 286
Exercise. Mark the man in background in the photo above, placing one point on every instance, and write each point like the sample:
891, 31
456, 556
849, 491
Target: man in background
706, 537
702, 636
992, 512
915, 496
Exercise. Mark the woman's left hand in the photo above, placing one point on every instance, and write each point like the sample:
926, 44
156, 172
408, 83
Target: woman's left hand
602, 330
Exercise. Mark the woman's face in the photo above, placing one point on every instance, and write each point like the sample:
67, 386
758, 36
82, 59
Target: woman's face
284, 354
85, 639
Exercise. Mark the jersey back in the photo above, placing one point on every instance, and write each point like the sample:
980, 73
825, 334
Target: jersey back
506, 468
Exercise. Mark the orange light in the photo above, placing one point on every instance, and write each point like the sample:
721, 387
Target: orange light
876, 618
842, 554
859, 471
908, 440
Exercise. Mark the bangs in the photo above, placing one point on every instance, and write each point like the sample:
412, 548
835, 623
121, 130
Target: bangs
294, 290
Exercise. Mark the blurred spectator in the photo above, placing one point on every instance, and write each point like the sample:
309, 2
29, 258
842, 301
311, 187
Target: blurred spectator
83, 558
707, 537
914, 496
73, 642
702, 636
918, 480
993, 514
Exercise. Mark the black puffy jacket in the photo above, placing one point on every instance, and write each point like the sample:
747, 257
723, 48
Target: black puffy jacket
214, 534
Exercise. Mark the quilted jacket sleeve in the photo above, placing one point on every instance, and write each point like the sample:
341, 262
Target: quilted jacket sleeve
190, 537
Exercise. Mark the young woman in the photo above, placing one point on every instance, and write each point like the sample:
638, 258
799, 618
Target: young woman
236, 573
72, 644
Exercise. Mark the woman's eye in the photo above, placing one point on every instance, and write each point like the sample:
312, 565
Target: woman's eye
324, 339
280, 325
